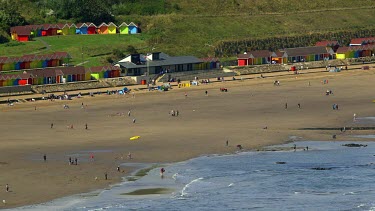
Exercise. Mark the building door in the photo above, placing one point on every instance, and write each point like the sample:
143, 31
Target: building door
189, 67
158, 69
137, 71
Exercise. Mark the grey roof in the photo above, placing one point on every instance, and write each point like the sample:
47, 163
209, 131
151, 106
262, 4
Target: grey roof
304, 51
164, 60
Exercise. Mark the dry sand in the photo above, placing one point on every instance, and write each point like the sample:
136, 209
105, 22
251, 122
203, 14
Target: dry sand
203, 126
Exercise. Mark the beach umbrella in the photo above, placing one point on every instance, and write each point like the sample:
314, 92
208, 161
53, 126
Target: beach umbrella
134, 138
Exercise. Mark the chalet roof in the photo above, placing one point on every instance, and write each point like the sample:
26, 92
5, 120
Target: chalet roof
304, 51
33, 57
62, 25
111, 24
102, 24
243, 56
132, 24
164, 60
99, 69
343, 49
123, 24
89, 24
21, 30
3, 59
80, 25
260, 53
209, 59
362, 41
256, 54
279, 54
326, 43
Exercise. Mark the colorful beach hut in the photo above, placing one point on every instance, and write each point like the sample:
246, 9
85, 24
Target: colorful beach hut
72, 29
63, 29
91, 28
103, 28
81, 28
123, 28
20, 33
112, 28
133, 29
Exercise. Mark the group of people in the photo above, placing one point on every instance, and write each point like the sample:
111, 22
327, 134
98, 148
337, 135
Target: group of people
73, 162
174, 112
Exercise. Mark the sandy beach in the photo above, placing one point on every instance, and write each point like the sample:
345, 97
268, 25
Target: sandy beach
204, 124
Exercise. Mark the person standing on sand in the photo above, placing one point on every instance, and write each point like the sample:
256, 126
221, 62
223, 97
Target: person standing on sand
45, 157
51, 125
86, 126
76, 161
186, 95
286, 105
354, 117
106, 176
70, 160
162, 170
206, 93
129, 112
7, 188
118, 168
299, 105
134, 120
130, 156
295, 147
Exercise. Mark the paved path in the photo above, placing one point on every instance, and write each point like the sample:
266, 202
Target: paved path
213, 80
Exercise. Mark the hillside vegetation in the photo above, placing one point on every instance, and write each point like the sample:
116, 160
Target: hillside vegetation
184, 27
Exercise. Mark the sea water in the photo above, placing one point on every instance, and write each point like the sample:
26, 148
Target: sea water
328, 176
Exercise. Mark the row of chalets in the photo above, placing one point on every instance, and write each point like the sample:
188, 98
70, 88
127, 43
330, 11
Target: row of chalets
25, 33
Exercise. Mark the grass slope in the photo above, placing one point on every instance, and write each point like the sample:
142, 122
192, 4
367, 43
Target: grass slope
91, 48
200, 25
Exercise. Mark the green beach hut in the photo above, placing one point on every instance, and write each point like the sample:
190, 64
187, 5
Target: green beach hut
123, 28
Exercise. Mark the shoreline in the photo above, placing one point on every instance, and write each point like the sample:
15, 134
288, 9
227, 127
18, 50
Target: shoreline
169, 141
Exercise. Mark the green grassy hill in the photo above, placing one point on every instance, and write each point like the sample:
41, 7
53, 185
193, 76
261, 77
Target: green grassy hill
196, 27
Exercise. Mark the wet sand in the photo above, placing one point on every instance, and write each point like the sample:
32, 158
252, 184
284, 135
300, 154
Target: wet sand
204, 125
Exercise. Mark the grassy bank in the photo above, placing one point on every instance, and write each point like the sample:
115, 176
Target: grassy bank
198, 27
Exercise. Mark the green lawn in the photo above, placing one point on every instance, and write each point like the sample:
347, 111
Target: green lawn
91, 48
193, 32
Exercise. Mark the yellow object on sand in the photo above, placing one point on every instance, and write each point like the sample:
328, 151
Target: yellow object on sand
134, 138
373, 101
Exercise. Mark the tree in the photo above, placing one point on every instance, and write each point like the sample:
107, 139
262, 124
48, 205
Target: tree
9, 16
95, 11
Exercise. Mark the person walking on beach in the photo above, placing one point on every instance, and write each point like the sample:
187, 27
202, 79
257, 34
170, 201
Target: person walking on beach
299, 105
118, 168
134, 120
7, 188
86, 126
51, 125
45, 157
286, 105
295, 147
130, 156
129, 112
227, 143
76, 161
70, 160
354, 117
206, 93
186, 95
106, 176
162, 170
